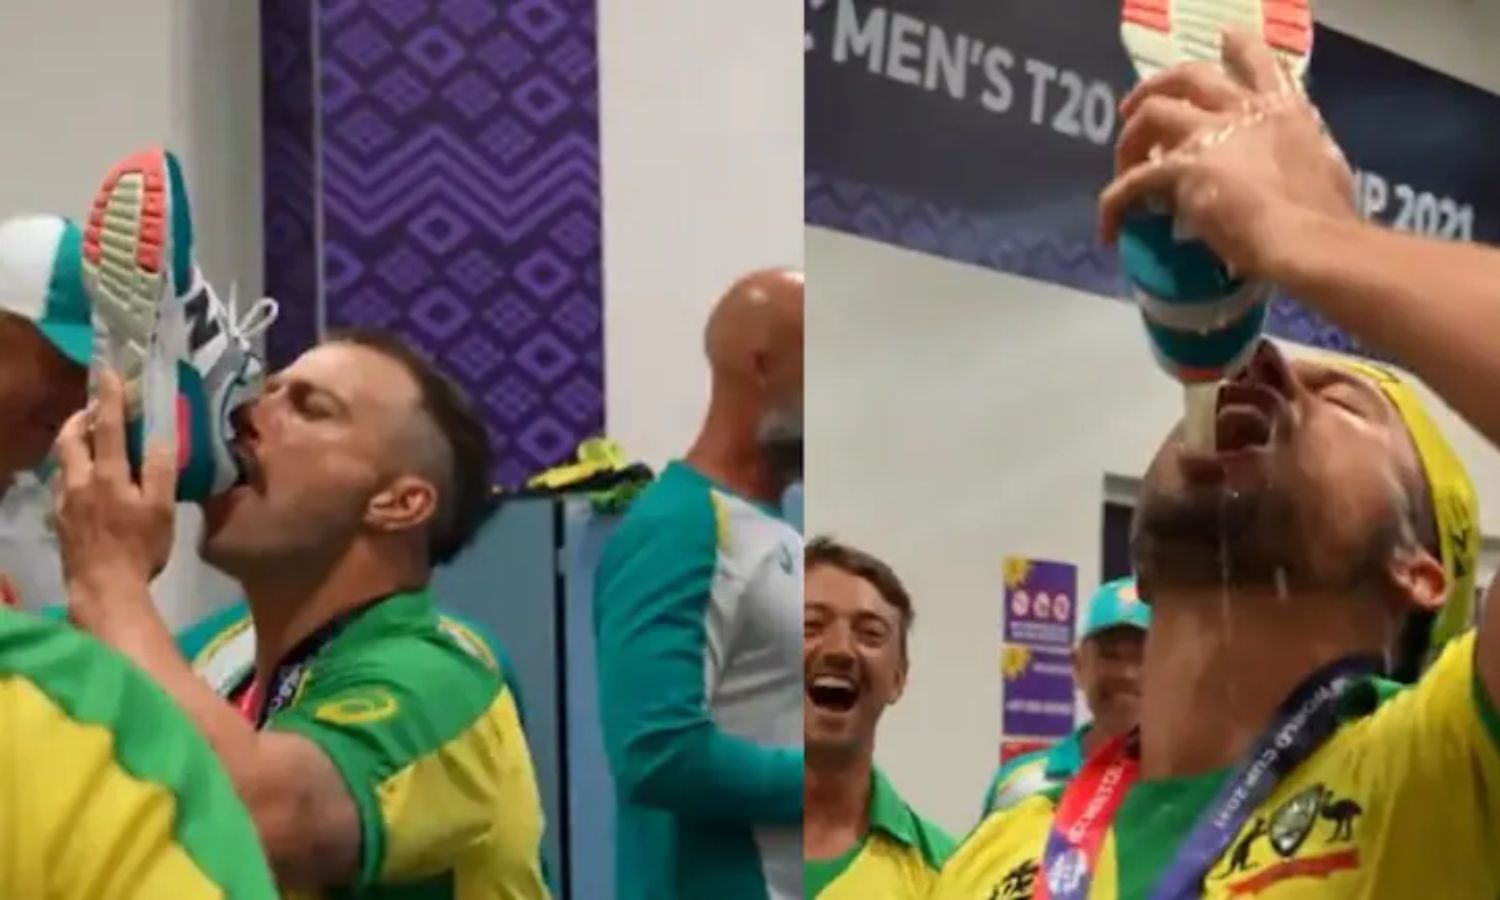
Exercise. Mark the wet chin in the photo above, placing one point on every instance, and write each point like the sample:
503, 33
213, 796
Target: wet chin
1268, 538
1203, 535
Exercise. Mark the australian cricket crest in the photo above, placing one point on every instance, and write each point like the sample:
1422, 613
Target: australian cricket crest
1293, 821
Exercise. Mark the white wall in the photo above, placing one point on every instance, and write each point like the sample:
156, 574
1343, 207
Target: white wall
701, 132
957, 416
88, 81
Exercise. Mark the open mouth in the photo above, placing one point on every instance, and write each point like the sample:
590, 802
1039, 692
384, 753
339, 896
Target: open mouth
1247, 417
241, 446
834, 693
251, 474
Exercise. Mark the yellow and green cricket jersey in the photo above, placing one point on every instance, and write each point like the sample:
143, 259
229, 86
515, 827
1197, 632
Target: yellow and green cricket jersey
1035, 772
221, 648
898, 858
428, 740
106, 788
1403, 801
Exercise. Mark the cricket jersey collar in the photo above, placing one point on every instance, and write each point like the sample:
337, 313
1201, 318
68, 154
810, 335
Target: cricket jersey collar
889, 813
408, 611
1066, 756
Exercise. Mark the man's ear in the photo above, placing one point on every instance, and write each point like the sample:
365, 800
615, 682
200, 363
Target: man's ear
407, 502
1420, 578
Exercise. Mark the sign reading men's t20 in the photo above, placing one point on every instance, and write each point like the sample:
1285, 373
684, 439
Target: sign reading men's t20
983, 131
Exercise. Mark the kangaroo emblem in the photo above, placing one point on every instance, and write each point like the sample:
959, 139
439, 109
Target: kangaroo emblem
1342, 814
1239, 861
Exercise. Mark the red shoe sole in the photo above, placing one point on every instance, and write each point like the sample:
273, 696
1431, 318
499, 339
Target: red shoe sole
150, 167
1286, 25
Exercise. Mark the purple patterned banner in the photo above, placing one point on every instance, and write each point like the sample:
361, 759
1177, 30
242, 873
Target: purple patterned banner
290, 193
458, 183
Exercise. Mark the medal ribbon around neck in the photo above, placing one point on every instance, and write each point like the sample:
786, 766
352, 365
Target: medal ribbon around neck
1303, 722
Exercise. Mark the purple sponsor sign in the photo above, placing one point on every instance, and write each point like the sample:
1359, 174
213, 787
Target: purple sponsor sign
1040, 602
1037, 641
1038, 692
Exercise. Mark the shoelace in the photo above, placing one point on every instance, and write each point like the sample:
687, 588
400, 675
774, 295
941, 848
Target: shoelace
245, 326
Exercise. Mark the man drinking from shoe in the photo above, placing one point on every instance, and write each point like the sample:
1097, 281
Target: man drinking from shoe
1330, 537
375, 753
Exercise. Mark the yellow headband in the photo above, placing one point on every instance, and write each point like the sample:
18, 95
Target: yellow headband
1454, 503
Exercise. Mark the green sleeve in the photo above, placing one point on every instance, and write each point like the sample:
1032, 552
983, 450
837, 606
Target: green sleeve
375, 713
651, 598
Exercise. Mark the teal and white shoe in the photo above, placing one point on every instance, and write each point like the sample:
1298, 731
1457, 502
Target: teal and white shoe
187, 359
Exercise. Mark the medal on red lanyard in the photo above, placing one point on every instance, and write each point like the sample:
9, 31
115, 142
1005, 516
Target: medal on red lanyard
1303, 721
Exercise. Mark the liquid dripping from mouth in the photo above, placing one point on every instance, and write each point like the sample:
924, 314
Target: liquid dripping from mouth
1200, 408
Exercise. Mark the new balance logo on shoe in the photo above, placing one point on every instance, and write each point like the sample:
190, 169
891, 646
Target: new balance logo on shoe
202, 326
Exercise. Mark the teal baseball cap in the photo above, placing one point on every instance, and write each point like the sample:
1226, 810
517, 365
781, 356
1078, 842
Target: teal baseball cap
1116, 604
41, 280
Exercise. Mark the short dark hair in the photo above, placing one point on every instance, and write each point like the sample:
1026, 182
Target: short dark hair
826, 551
467, 498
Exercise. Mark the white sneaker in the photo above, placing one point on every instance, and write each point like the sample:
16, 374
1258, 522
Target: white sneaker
187, 360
